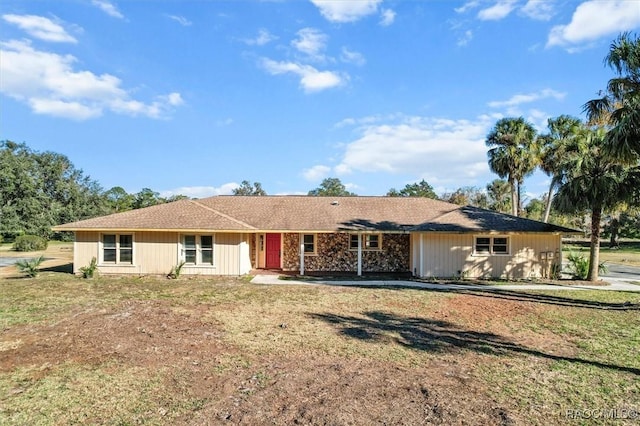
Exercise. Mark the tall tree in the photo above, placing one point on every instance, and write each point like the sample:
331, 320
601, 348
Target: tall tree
591, 181
331, 187
146, 198
499, 195
550, 150
467, 196
512, 154
246, 188
419, 189
619, 107
119, 200
41, 189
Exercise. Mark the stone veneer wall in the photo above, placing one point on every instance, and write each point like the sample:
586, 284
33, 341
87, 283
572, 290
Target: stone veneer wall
333, 254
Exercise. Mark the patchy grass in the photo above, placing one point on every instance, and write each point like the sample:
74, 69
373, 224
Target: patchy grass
208, 351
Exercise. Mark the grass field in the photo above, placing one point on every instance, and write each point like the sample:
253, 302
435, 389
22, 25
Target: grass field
222, 351
627, 254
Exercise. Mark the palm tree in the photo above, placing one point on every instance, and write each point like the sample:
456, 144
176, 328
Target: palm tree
619, 106
550, 150
590, 181
512, 154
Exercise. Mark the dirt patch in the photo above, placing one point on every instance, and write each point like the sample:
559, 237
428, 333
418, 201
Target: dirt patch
229, 386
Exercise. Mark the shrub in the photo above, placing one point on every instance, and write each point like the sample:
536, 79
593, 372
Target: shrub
29, 243
580, 266
90, 270
1, 239
30, 267
176, 270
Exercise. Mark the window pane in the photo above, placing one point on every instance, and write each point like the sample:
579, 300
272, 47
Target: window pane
373, 241
309, 243
353, 242
190, 256
483, 245
126, 255
109, 255
207, 257
501, 245
206, 242
126, 241
109, 241
190, 242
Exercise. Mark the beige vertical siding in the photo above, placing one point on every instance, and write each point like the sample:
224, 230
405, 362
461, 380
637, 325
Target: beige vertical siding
157, 252
449, 255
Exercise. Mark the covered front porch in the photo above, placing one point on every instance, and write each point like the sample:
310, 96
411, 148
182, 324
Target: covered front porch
326, 253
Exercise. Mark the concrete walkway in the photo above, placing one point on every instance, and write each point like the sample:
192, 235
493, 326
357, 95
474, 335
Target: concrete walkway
616, 284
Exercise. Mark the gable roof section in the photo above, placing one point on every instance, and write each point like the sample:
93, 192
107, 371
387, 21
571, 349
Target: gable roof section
312, 214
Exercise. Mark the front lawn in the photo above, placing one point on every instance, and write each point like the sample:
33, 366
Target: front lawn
223, 351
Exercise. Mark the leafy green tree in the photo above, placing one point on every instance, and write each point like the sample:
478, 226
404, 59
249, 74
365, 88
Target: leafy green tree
41, 189
591, 181
119, 200
146, 198
619, 107
246, 188
173, 198
499, 196
534, 209
331, 187
419, 189
467, 196
551, 150
512, 154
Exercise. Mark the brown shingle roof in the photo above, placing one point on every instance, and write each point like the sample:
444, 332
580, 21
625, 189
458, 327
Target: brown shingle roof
303, 213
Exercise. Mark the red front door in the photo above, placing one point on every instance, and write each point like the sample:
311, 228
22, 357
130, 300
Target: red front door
273, 251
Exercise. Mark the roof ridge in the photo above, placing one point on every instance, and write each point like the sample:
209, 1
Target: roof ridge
226, 216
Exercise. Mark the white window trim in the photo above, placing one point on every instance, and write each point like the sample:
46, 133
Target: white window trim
198, 264
315, 244
491, 238
363, 242
101, 261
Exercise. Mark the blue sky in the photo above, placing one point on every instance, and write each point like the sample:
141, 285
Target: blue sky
193, 97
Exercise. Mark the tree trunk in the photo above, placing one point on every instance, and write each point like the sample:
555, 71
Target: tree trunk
514, 196
547, 209
614, 229
594, 256
519, 209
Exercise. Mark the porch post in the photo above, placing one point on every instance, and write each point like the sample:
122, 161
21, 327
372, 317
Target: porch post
421, 261
359, 255
301, 237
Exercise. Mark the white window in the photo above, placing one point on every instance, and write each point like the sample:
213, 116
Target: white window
309, 243
485, 245
369, 242
117, 249
197, 249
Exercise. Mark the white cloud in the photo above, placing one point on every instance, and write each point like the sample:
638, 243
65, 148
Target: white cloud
465, 38
201, 191
594, 19
528, 98
108, 8
311, 79
498, 11
40, 27
467, 6
346, 10
541, 10
352, 57
387, 17
316, 173
441, 151
311, 42
49, 84
180, 20
263, 37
